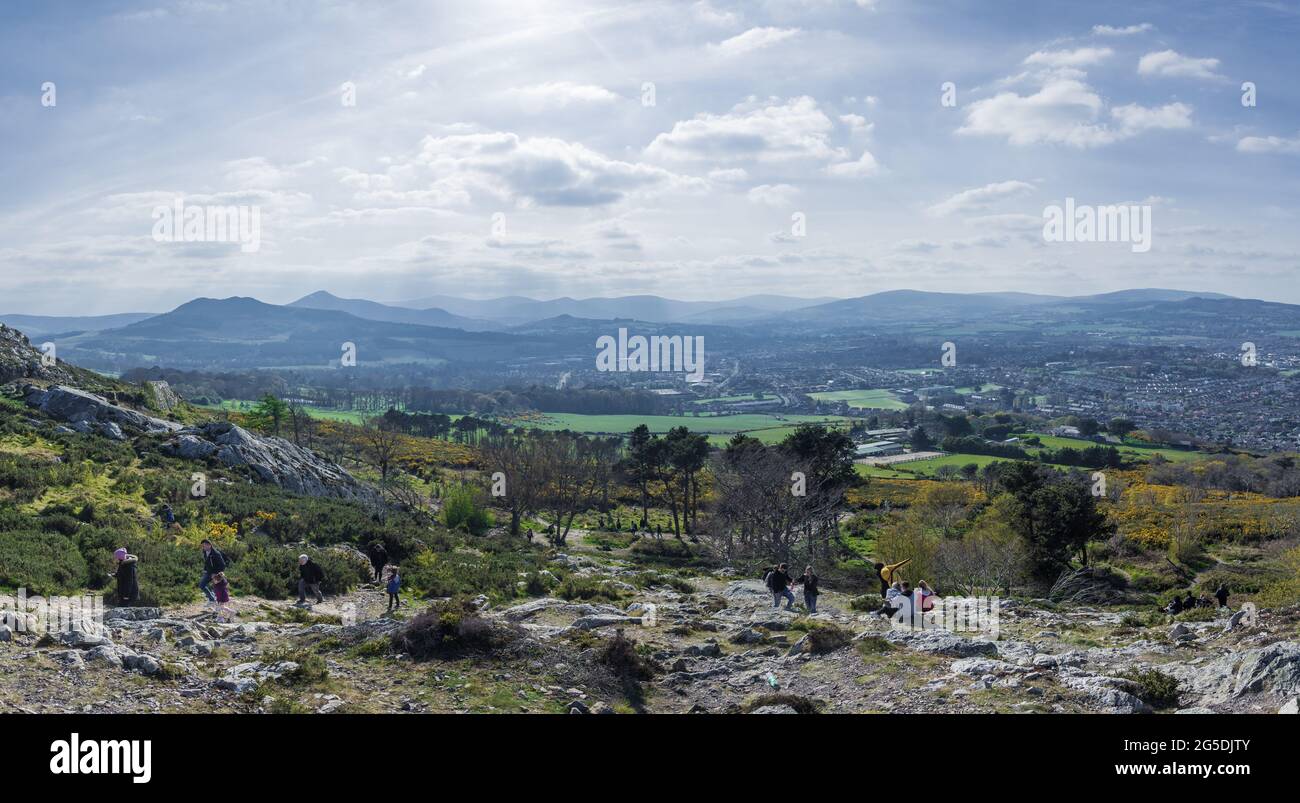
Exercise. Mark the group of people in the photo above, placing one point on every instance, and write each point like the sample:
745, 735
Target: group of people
779, 582
1186, 603
216, 587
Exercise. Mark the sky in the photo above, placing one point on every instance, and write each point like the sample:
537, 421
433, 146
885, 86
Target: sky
693, 150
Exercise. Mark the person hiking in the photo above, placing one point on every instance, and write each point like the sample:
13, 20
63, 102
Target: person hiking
213, 564
885, 573
394, 589
221, 603
168, 518
378, 558
1221, 594
310, 576
778, 582
126, 572
809, 582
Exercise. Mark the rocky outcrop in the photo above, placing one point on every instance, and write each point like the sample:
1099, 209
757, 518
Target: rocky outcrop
160, 395
20, 360
271, 460
1272, 672
87, 412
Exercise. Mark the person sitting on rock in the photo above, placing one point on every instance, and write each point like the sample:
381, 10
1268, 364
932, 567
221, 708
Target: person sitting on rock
1175, 607
127, 575
1189, 602
891, 597
1221, 594
925, 596
310, 576
779, 583
885, 573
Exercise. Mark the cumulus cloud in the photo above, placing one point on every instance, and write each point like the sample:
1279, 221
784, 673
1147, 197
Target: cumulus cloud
535, 170
773, 194
1068, 112
751, 40
980, 197
1269, 144
864, 166
765, 131
1172, 64
1081, 57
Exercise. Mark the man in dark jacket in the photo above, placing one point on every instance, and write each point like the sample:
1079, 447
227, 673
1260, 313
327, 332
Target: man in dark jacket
128, 581
213, 562
779, 583
310, 576
1221, 594
378, 558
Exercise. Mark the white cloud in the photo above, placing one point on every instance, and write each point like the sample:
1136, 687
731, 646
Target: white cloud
559, 94
766, 131
1134, 119
751, 40
536, 170
1269, 144
864, 166
773, 194
858, 125
1172, 64
980, 197
1081, 57
1127, 30
728, 175
1068, 112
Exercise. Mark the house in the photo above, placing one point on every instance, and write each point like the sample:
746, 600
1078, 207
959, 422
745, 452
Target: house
878, 449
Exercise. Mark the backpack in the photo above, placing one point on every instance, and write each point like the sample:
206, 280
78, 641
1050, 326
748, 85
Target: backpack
767, 579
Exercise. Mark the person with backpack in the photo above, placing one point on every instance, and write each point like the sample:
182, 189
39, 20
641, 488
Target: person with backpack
127, 575
213, 564
1221, 594
394, 588
809, 582
310, 576
778, 582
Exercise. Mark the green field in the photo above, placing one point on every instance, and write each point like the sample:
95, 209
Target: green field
245, 406
870, 399
749, 397
1128, 450
769, 428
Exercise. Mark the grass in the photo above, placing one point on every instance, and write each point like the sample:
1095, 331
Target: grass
870, 399
321, 413
753, 423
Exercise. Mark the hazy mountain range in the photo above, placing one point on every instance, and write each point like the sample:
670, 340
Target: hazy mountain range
246, 333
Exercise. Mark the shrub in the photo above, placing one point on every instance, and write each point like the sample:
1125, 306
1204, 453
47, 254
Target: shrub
672, 548
1153, 687
448, 628
873, 645
461, 510
42, 562
589, 589
311, 667
801, 705
621, 656
825, 637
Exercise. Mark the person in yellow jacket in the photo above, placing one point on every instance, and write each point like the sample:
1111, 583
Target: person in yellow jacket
885, 573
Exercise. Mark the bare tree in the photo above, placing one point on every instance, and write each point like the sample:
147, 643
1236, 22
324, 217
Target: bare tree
523, 460
381, 446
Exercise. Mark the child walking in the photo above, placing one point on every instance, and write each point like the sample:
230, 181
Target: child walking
394, 588
221, 590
